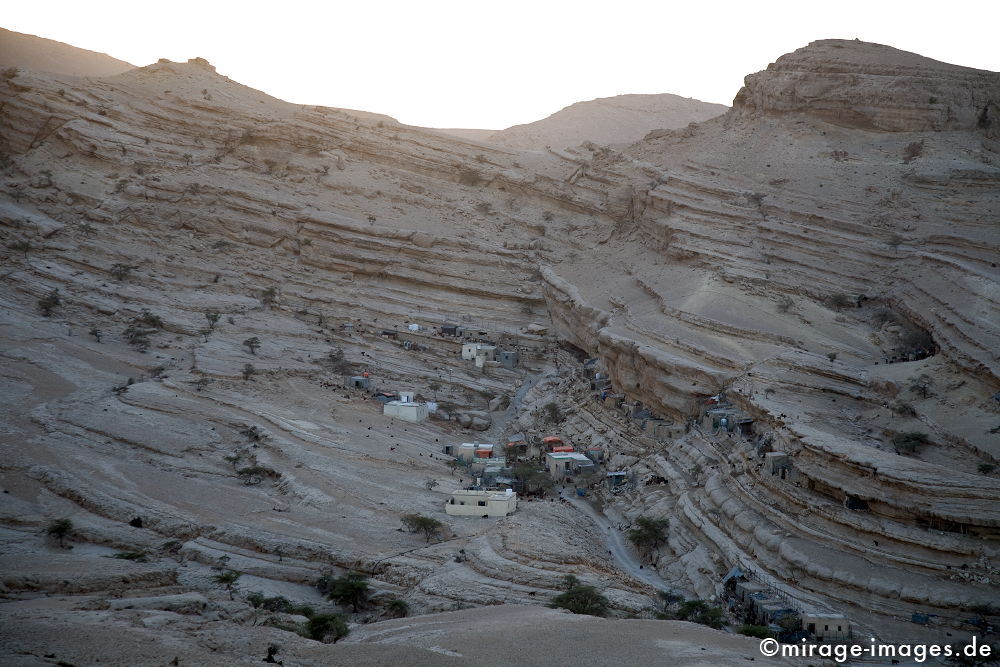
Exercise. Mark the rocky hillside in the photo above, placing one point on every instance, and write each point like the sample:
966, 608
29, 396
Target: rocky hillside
606, 120
831, 279
47, 55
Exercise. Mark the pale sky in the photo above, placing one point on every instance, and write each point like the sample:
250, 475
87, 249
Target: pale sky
494, 64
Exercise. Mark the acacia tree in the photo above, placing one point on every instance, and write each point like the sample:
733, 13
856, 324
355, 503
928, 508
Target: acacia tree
648, 533
581, 599
418, 523
60, 529
351, 588
228, 579
252, 344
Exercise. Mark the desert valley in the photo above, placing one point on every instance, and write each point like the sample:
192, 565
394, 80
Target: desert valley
730, 365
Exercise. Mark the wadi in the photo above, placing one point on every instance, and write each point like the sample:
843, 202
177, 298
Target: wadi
298, 383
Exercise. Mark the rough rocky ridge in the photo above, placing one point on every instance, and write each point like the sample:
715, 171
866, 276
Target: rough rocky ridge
788, 257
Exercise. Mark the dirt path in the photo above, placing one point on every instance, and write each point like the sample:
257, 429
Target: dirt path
620, 551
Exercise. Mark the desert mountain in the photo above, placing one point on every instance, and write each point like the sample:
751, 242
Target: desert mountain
47, 55
605, 120
192, 267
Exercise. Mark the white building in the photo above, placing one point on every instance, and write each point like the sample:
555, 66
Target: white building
827, 627
406, 410
465, 502
560, 464
470, 351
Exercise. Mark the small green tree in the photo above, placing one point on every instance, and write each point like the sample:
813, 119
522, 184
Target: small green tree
986, 468
252, 344
581, 599
49, 302
552, 412
832, 356
228, 578
699, 611
648, 533
60, 529
268, 296
534, 479
418, 523
137, 337
758, 631
248, 371
96, 333
351, 588
327, 628
213, 318
909, 442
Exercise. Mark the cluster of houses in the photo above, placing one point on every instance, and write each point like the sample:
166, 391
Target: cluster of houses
759, 604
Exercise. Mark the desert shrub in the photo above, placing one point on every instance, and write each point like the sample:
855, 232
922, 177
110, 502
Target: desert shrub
552, 412
268, 296
986, 468
96, 333
785, 303
148, 319
327, 628
121, 271
49, 302
832, 356
137, 337
903, 409
758, 631
252, 344
397, 608
909, 442
253, 433
581, 599
137, 556
248, 371
212, 317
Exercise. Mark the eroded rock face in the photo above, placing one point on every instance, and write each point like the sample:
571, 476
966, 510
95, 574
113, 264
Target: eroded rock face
748, 254
871, 86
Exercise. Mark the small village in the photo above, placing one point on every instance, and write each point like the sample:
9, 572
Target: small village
546, 466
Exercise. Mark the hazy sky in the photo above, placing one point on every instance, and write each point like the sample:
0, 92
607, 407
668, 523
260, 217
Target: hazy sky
494, 64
